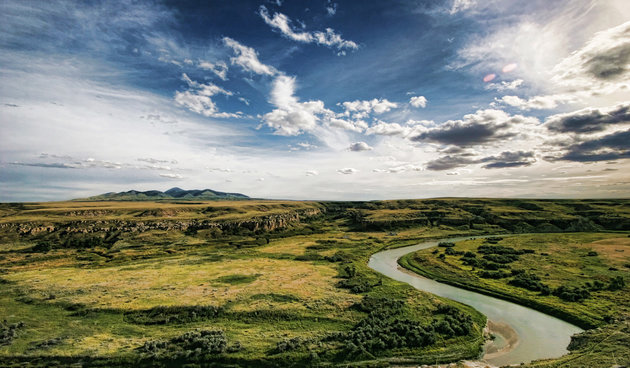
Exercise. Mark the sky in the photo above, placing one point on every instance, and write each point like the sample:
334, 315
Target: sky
316, 99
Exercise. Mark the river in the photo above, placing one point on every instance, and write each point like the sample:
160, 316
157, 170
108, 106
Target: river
539, 335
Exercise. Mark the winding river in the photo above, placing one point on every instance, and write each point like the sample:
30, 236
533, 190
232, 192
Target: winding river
538, 335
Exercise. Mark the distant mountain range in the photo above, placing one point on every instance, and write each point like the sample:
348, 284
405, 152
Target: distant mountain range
173, 193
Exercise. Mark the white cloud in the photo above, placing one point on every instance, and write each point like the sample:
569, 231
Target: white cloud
347, 171
219, 68
360, 109
505, 86
418, 101
312, 173
461, 5
331, 9
537, 102
328, 38
172, 176
359, 146
391, 129
198, 98
247, 58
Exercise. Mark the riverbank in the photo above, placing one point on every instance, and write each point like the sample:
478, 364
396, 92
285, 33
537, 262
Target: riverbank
570, 260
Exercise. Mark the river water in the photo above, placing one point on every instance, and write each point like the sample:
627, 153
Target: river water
539, 335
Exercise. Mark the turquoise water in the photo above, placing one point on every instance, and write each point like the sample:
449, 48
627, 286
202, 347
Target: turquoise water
540, 335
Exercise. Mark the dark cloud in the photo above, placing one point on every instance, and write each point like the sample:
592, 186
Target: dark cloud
509, 159
464, 135
589, 120
503, 160
609, 64
610, 147
450, 162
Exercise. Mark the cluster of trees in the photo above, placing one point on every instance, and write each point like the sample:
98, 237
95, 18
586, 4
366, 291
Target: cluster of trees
384, 327
77, 241
354, 281
198, 344
530, 281
8, 331
571, 294
291, 344
162, 315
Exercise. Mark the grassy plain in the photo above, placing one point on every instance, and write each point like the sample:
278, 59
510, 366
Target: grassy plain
286, 282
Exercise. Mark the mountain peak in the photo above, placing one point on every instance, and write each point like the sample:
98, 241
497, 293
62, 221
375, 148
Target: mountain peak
173, 193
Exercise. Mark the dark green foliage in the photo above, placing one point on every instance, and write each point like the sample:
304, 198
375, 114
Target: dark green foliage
237, 279
493, 274
8, 331
384, 328
42, 246
309, 257
498, 249
193, 344
616, 283
340, 256
41, 345
592, 253
446, 244
290, 344
356, 285
571, 294
470, 255
501, 258
530, 281
176, 314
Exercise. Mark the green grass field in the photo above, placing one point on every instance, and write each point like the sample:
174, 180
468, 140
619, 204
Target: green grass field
276, 283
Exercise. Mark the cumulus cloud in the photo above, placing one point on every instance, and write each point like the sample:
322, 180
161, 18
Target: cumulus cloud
450, 162
505, 159
537, 102
359, 146
604, 58
390, 129
589, 120
247, 58
360, 109
481, 128
418, 101
328, 38
347, 171
312, 173
219, 68
198, 98
291, 117
509, 159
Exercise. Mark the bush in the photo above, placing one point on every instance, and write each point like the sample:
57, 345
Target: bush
616, 283
571, 294
192, 344
446, 244
8, 331
290, 344
529, 281
176, 314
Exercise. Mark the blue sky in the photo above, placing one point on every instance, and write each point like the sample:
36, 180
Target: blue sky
323, 99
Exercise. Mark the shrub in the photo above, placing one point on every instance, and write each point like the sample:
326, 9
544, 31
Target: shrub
529, 281
616, 283
571, 294
8, 331
192, 344
446, 244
